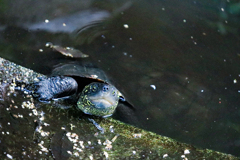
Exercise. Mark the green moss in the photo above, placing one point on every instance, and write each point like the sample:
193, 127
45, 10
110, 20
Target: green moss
158, 145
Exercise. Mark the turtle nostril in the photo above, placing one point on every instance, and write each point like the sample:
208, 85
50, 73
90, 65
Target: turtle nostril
105, 88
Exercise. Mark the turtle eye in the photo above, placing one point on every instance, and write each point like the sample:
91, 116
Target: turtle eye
94, 88
105, 88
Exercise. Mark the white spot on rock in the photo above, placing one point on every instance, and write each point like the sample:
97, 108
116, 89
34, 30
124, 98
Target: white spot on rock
186, 151
165, 155
9, 156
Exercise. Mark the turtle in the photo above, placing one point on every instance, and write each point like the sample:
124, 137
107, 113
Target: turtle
88, 86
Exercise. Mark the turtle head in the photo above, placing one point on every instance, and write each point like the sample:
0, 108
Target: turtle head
98, 99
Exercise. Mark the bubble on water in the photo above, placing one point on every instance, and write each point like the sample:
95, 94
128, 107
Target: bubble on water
125, 26
153, 86
234, 81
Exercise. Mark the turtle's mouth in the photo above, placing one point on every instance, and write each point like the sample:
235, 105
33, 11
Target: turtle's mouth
102, 102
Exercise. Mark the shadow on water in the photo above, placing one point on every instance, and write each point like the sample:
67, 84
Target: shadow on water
176, 62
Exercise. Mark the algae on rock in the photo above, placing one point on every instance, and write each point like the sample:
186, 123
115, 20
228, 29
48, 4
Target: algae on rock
30, 129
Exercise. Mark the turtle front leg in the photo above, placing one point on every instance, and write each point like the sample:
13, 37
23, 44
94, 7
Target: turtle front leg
96, 125
54, 87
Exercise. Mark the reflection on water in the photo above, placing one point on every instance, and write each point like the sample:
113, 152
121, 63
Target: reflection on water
187, 50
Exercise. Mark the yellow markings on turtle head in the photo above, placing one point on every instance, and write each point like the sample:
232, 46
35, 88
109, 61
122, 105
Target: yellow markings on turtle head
87, 89
86, 101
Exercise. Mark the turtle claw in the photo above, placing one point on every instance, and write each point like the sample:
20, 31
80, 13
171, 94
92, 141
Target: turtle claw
41, 78
121, 98
41, 91
44, 100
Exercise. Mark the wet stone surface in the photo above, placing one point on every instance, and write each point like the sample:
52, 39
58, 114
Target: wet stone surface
33, 130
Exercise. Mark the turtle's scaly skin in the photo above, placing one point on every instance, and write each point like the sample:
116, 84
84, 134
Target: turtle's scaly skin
98, 99
54, 87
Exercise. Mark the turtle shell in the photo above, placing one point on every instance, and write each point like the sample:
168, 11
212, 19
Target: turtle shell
90, 73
